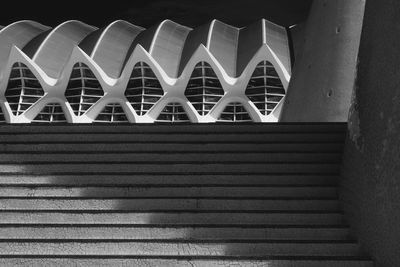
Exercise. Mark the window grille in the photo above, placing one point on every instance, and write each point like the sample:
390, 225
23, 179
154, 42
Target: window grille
204, 89
234, 112
112, 113
23, 89
265, 88
52, 112
2, 118
83, 89
143, 89
173, 112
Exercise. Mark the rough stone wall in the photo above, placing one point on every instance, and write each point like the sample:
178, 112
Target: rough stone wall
323, 76
371, 163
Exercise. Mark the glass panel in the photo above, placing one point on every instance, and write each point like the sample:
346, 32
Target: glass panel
143, 89
265, 88
112, 113
51, 113
23, 89
83, 89
203, 88
173, 112
234, 112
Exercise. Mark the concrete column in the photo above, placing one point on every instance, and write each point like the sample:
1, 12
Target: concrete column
371, 162
323, 77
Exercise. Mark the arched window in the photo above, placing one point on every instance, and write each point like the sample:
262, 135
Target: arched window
51, 113
204, 89
173, 112
143, 89
234, 112
265, 88
83, 89
112, 113
23, 89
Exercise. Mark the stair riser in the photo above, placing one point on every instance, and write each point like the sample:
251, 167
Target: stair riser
177, 249
132, 233
181, 263
168, 192
164, 179
167, 204
173, 157
179, 218
285, 168
189, 128
140, 147
165, 138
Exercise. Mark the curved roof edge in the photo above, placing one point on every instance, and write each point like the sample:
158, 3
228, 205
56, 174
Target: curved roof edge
223, 42
109, 46
194, 39
168, 44
55, 49
18, 34
276, 37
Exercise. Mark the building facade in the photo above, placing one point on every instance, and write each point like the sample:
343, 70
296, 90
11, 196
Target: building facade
124, 73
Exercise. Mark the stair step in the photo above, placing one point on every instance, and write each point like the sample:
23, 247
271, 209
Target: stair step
170, 129
181, 195
168, 168
159, 204
175, 233
175, 138
194, 192
178, 248
172, 147
190, 262
165, 179
171, 218
170, 157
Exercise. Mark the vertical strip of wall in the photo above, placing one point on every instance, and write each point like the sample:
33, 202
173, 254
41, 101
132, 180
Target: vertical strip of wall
371, 163
323, 77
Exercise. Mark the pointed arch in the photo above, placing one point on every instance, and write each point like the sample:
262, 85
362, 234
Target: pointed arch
204, 89
83, 89
143, 89
265, 89
23, 89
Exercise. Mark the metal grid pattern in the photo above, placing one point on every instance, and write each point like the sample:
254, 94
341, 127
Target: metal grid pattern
143, 89
265, 88
173, 112
234, 112
23, 89
83, 89
204, 89
51, 113
112, 113
2, 118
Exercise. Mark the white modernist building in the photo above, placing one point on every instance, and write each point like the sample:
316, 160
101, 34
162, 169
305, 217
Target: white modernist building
123, 73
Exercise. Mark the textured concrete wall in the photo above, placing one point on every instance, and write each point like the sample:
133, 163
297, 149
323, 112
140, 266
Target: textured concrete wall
371, 168
323, 77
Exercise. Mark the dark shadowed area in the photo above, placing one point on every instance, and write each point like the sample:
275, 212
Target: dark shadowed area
149, 12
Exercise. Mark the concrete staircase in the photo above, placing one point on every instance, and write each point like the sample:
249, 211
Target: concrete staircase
173, 195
